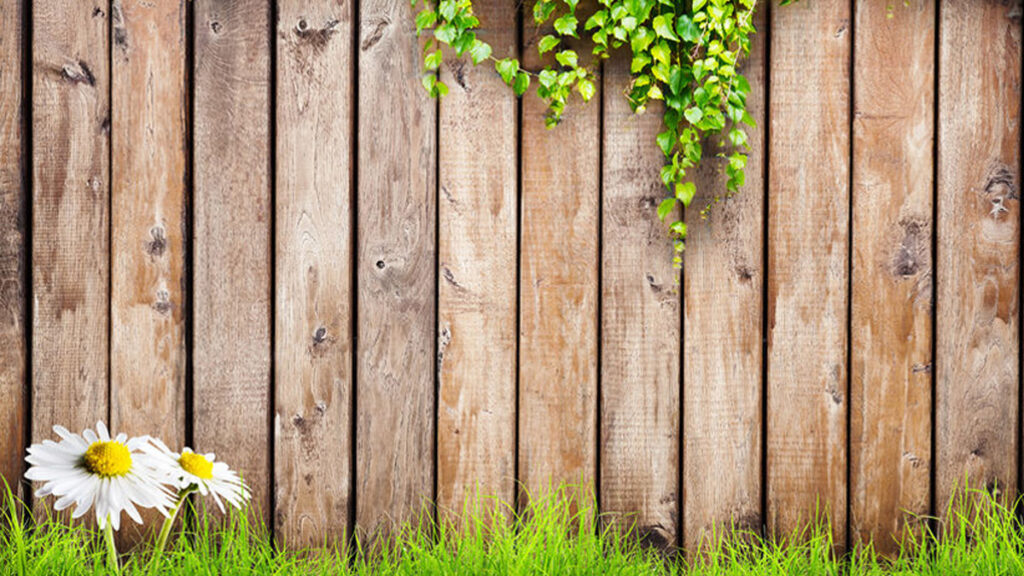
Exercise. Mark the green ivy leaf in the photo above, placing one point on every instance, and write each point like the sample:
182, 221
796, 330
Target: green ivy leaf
685, 191
522, 83
542, 11
480, 51
547, 43
663, 28
586, 89
507, 68
686, 28
567, 58
566, 25
447, 9
666, 207
425, 19
445, 33
667, 141
432, 61
597, 20
661, 53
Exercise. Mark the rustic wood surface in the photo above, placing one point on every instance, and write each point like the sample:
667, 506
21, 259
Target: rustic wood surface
396, 271
808, 264
891, 290
313, 333
13, 250
977, 322
232, 241
149, 212
723, 283
639, 442
559, 290
476, 360
441, 300
70, 216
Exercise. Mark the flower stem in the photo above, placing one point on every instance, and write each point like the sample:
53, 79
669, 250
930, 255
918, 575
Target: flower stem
108, 536
165, 530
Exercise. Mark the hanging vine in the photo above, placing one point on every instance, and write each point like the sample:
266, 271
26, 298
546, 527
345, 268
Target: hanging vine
685, 53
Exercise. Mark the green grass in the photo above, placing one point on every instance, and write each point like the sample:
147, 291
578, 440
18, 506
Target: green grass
559, 535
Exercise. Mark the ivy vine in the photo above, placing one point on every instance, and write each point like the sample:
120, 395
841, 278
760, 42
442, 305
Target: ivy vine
685, 53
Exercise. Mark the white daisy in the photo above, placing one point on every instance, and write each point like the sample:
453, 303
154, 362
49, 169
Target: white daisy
93, 470
191, 470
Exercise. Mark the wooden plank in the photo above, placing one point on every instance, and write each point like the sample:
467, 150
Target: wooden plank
558, 333
977, 307
13, 208
70, 213
231, 353
808, 264
891, 327
639, 442
313, 350
396, 271
723, 330
477, 237
148, 215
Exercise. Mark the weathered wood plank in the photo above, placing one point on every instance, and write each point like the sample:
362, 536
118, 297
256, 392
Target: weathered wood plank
13, 241
891, 326
559, 260
396, 271
70, 213
477, 219
148, 215
233, 212
313, 368
808, 264
722, 361
977, 283
639, 442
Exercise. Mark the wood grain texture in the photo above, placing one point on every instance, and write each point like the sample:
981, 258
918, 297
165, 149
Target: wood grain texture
477, 219
977, 261
70, 215
232, 246
313, 333
891, 325
558, 304
808, 264
149, 204
640, 340
13, 241
723, 282
396, 271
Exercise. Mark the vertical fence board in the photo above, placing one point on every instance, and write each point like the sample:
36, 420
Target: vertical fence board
13, 199
148, 208
396, 272
640, 320
808, 244
558, 301
70, 229
477, 223
723, 292
977, 292
233, 213
313, 368
891, 328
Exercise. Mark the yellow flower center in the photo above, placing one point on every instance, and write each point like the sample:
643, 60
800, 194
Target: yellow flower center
196, 465
108, 459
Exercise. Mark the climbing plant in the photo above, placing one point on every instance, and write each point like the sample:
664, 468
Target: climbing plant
685, 53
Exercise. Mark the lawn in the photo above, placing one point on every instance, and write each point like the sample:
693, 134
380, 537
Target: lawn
556, 536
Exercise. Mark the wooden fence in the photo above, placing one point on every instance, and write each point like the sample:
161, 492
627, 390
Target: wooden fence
242, 224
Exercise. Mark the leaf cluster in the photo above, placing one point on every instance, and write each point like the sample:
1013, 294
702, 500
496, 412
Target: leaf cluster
685, 54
